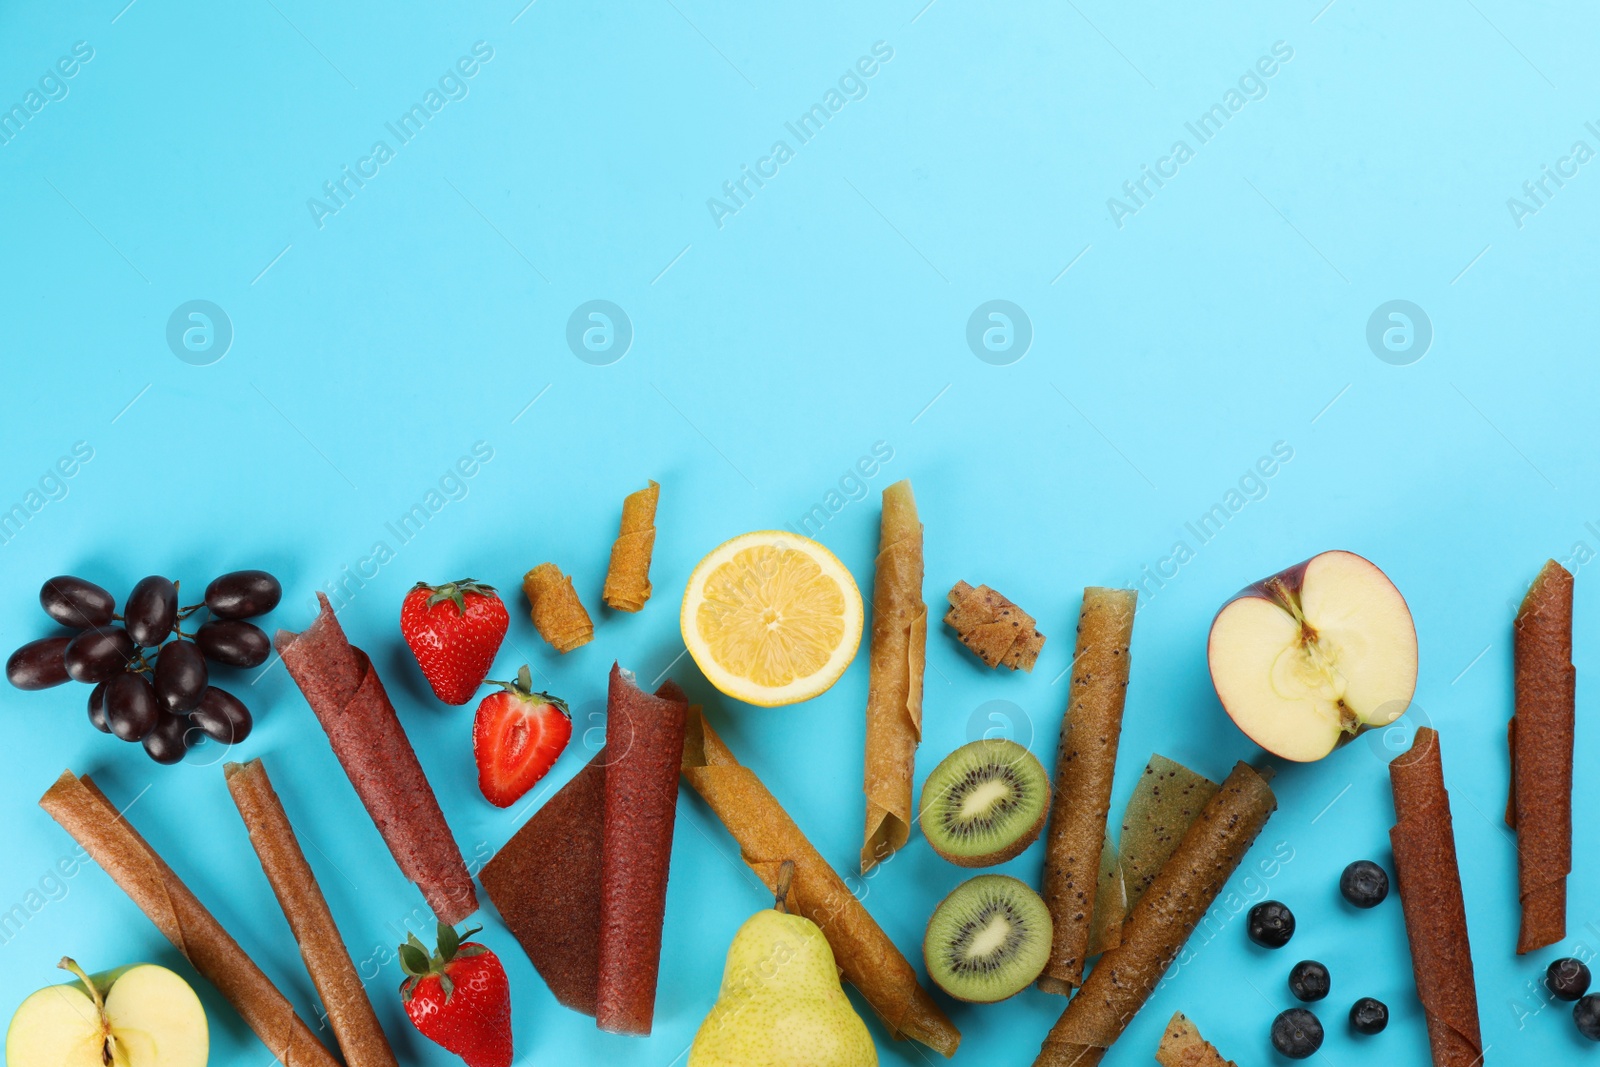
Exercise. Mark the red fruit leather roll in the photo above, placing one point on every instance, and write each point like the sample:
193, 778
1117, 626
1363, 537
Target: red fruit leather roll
344, 691
582, 885
1540, 809
545, 882
645, 735
1430, 894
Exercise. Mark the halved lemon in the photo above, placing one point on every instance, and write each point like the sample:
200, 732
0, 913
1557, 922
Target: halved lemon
771, 618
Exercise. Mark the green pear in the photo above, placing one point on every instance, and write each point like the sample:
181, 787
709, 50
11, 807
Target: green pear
781, 1004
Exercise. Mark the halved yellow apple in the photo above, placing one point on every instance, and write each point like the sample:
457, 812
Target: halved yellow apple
1307, 659
138, 1016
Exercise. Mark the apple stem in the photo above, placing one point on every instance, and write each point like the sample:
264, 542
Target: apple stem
780, 894
107, 1056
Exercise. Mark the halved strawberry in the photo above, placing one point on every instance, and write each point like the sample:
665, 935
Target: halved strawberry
516, 738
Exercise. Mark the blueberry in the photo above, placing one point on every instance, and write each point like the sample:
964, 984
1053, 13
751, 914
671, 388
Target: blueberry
1270, 924
1309, 980
1369, 1015
1586, 1013
1296, 1033
1364, 884
1567, 978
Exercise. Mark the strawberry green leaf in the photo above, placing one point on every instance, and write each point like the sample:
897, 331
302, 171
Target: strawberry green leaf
448, 942
413, 960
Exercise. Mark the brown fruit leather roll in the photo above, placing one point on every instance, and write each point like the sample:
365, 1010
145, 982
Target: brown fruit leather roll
1540, 735
355, 1024
1430, 895
349, 701
545, 882
644, 734
628, 576
767, 837
1086, 759
79, 806
894, 677
1160, 924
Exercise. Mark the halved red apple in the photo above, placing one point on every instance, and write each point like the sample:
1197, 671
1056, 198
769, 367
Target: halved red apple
1307, 659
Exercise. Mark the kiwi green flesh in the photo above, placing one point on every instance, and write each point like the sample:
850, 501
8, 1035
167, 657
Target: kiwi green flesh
985, 803
988, 940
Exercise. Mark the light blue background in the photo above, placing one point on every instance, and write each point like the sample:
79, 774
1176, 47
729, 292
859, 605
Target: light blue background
769, 354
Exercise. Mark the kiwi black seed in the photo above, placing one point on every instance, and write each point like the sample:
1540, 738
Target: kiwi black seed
987, 940
984, 803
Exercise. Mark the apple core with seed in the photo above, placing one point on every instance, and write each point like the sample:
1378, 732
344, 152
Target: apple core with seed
1305, 660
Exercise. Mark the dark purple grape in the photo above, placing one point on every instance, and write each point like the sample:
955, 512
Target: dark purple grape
95, 655
243, 594
234, 643
76, 603
151, 611
180, 676
131, 706
97, 708
166, 741
222, 716
39, 664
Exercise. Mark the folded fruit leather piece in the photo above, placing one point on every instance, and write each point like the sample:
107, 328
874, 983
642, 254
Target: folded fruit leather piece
557, 613
582, 885
344, 997
343, 690
767, 837
79, 806
1182, 1046
1160, 924
1540, 733
1429, 881
1086, 759
996, 630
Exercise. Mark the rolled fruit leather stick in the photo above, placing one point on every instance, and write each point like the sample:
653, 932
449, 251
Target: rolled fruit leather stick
894, 677
1086, 760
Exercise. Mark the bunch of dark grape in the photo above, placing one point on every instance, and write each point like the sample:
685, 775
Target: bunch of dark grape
149, 673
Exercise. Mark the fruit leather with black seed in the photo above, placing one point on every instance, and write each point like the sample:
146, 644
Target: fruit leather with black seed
344, 692
1540, 734
1160, 924
1429, 881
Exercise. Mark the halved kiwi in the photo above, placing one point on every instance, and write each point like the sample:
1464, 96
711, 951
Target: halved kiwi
984, 803
988, 940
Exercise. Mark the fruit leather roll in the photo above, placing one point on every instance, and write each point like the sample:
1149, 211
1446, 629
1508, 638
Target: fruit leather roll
79, 806
1086, 759
767, 837
545, 882
557, 613
894, 676
1430, 895
1540, 809
350, 1013
1160, 924
628, 577
644, 733
344, 691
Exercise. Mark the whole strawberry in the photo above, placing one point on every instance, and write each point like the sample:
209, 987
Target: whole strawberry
454, 630
516, 738
458, 997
